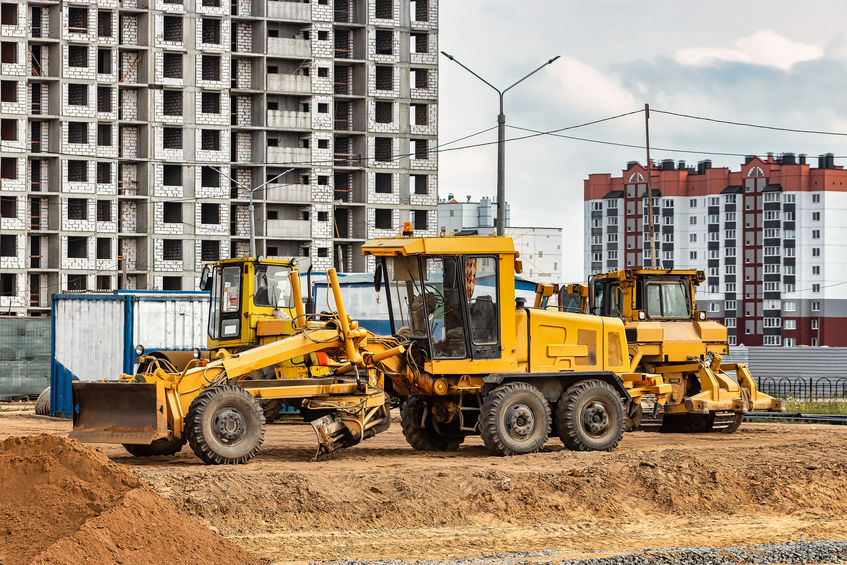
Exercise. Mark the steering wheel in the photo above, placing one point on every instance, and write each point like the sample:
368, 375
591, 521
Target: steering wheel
438, 294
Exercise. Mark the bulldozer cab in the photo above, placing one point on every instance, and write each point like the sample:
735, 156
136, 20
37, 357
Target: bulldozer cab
250, 303
445, 294
654, 295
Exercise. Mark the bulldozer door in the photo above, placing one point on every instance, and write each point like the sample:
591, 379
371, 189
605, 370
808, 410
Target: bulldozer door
225, 304
480, 274
444, 310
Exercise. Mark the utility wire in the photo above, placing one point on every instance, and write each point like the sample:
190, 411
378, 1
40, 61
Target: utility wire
749, 125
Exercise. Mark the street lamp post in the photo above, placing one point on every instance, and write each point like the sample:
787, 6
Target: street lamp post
250, 207
501, 139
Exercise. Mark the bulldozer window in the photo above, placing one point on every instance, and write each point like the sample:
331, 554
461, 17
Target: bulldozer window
480, 276
231, 297
667, 300
272, 287
403, 284
445, 313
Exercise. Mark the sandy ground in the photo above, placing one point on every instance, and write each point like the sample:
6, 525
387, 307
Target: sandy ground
381, 499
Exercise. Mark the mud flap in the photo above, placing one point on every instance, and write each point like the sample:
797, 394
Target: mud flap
118, 412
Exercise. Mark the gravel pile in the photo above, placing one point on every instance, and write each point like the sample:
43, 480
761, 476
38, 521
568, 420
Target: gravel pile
810, 552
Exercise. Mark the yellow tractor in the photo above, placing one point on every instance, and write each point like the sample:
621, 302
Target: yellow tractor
669, 336
464, 355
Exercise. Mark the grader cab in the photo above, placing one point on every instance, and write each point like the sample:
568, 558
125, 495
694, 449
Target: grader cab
671, 337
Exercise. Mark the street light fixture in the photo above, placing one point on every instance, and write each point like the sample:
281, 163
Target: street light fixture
250, 207
501, 139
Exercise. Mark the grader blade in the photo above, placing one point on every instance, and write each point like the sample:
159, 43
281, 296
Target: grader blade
332, 434
112, 412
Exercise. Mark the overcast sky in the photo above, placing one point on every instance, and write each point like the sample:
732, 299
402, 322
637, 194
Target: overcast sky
771, 62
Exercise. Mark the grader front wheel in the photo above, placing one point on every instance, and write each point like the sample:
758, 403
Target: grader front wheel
589, 416
419, 428
225, 425
515, 419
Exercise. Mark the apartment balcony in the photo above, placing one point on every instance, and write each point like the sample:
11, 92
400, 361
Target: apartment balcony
290, 229
297, 84
285, 47
288, 193
289, 155
289, 118
289, 11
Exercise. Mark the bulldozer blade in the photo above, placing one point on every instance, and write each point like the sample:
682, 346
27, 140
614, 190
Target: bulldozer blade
118, 412
332, 433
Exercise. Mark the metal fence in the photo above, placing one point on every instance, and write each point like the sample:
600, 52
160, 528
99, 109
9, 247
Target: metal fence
804, 388
24, 356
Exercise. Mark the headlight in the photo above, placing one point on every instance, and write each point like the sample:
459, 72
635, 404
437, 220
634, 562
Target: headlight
139, 350
702, 315
642, 315
196, 352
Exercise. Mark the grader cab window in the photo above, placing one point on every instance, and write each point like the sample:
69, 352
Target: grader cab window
272, 287
667, 300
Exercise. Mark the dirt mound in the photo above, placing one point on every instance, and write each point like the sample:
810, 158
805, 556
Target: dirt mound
62, 502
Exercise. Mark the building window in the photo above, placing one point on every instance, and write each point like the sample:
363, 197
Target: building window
104, 61
8, 245
210, 213
77, 209
172, 65
104, 248
77, 248
210, 140
384, 9
77, 171
384, 42
172, 213
421, 149
816, 306
9, 14
384, 78
420, 78
421, 219
692, 220
211, 31
383, 183
210, 177
789, 324
104, 211
104, 173
8, 207
816, 288
383, 219
383, 112
730, 305
211, 102
419, 43
420, 184
816, 234
78, 94
171, 139
77, 56
172, 250
172, 102
382, 149
211, 67
210, 250
815, 324
816, 198
173, 283
77, 20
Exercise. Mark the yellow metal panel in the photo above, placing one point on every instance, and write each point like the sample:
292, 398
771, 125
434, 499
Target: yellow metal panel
454, 245
712, 331
561, 350
648, 331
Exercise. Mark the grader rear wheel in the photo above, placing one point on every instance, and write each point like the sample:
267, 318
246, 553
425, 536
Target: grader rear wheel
420, 430
589, 416
271, 408
225, 425
515, 419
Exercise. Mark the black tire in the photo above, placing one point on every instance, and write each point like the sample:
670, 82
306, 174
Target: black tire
271, 408
590, 417
688, 423
158, 447
42, 403
736, 423
420, 431
633, 419
514, 419
225, 425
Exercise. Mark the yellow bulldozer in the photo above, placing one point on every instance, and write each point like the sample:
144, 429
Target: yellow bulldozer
669, 336
464, 357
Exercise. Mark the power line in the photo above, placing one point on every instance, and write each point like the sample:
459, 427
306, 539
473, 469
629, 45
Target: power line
746, 124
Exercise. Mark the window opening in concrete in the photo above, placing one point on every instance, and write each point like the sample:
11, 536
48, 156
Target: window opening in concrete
384, 42
273, 32
77, 209
104, 173
77, 282
323, 180
323, 71
172, 250
8, 207
273, 214
421, 114
420, 10
323, 35
273, 142
211, 67
78, 247
104, 61
9, 14
8, 245
172, 29
77, 56
172, 65
172, 102
77, 20
384, 182
382, 149
104, 210
384, 79
78, 94
210, 177
8, 283
419, 182
172, 212
104, 24
211, 102
172, 174
210, 250
323, 252
323, 216
8, 130
323, 144
210, 213
210, 140
384, 112
383, 219
171, 138
104, 135
174, 283
8, 90
104, 282
104, 248
8, 52
77, 171
104, 99
8, 168
211, 31
78, 132
421, 149
304, 214
420, 78
323, 108
420, 43
421, 220
384, 9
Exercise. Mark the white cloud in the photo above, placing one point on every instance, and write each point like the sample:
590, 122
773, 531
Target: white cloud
763, 47
586, 87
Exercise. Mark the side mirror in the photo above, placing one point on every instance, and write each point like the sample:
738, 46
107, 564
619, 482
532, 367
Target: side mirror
378, 278
449, 279
618, 301
206, 278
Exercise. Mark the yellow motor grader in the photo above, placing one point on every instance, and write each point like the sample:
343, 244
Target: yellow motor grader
669, 336
464, 357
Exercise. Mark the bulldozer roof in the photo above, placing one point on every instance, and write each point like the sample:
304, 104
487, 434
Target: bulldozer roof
632, 273
264, 261
446, 245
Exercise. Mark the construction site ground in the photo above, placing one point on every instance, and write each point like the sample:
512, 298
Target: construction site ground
382, 500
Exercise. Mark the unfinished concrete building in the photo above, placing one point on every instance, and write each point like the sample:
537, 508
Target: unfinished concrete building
133, 130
